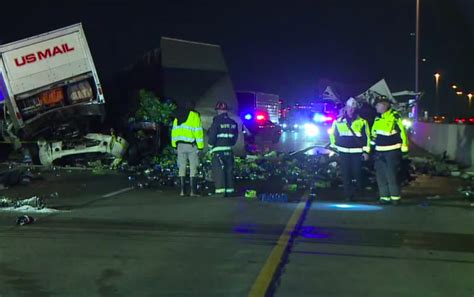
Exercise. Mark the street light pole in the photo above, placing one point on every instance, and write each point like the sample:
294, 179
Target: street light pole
437, 76
417, 58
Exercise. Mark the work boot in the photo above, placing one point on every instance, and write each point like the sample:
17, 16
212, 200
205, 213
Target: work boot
384, 200
182, 184
193, 183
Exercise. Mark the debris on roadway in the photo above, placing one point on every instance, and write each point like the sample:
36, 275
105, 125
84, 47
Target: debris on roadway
30, 205
24, 220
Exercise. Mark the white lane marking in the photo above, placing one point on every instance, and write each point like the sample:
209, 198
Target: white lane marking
124, 190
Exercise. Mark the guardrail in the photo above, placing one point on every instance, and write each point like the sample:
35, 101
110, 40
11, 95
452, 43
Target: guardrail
456, 140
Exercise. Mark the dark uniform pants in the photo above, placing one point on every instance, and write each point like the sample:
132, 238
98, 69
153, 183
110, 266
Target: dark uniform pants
223, 172
351, 170
387, 167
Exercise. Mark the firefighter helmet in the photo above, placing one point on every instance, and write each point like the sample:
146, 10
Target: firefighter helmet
221, 106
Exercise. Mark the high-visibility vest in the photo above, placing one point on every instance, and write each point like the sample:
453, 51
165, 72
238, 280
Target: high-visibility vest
345, 141
388, 132
188, 132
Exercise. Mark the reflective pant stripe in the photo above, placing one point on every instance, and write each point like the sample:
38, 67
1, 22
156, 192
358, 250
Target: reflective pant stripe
349, 150
221, 149
395, 197
385, 198
220, 191
229, 190
385, 148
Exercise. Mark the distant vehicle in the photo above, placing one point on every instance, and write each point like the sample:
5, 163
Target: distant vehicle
439, 119
251, 102
51, 94
260, 115
259, 127
464, 121
312, 119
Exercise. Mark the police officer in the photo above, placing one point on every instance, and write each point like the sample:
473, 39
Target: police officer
223, 136
390, 140
350, 136
188, 137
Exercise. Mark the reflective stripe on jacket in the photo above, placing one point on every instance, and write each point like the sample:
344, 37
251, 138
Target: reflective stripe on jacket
345, 141
189, 131
388, 132
223, 133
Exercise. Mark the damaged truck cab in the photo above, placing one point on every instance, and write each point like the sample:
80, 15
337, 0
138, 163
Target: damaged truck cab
51, 96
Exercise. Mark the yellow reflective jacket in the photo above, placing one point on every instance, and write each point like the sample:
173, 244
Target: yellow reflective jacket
345, 141
188, 132
388, 132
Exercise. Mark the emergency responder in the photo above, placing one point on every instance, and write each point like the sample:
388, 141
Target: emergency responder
188, 137
390, 140
350, 136
223, 136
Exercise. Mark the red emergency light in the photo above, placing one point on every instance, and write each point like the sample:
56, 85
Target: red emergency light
260, 117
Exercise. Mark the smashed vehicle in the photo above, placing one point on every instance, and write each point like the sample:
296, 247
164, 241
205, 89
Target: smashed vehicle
51, 96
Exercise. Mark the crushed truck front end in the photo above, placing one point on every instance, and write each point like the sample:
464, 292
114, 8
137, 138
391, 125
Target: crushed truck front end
51, 92
49, 80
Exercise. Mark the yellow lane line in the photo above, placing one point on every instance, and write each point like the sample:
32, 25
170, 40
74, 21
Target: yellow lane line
268, 271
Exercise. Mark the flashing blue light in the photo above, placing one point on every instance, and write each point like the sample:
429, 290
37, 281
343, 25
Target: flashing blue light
321, 118
313, 232
3, 88
346, 207
245, 229
318, 118
284, 126
248, 117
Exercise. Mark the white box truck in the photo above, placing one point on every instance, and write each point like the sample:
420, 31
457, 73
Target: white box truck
50, 94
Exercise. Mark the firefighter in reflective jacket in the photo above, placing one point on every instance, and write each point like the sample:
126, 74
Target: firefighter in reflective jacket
187, 137
390, 140
223, 136
350, 136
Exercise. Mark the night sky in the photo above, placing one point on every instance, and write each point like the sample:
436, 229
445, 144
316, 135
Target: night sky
283, 49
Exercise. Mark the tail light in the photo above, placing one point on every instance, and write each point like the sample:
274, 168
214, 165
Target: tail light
260, 117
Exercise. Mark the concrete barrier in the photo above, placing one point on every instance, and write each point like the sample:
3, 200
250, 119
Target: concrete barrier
456, 140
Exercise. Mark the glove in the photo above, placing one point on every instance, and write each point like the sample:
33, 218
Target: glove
201, 154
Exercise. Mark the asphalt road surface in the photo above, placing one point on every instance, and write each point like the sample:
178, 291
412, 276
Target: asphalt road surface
109, 239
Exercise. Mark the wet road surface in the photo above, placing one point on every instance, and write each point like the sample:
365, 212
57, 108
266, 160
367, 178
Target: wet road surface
111, 240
